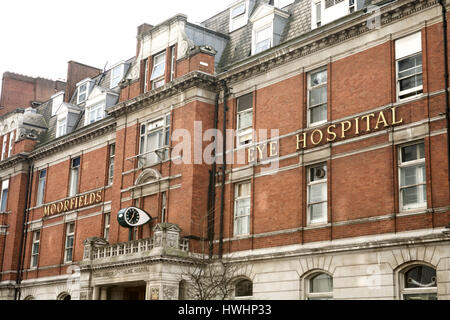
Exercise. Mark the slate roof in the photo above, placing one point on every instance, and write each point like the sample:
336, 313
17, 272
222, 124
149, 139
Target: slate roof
239, 46
102, 81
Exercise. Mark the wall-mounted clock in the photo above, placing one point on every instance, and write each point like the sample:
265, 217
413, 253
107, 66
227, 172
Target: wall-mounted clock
133, 217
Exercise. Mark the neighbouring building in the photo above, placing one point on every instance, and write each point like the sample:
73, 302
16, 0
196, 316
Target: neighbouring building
334, 183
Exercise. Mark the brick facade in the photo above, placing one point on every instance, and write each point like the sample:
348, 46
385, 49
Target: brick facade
362, 178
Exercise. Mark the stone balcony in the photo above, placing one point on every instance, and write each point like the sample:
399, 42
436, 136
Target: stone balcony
166, 241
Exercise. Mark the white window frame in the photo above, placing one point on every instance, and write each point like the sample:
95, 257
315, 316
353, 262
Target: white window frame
34, 261
414, 163
310, 88
244, 131
317, 295
318, 22
84, 92
237, 19
256, 33
238, 200
61, 127
146, 61
173, 60
5, 140
410, 291
351, 6
70, 234
11, 143
74, 182
161, 153
115, 80
418, 89
158, 80
311, 184
164, 206
42, 181
107, 226
97, 110
4, 196
112, 154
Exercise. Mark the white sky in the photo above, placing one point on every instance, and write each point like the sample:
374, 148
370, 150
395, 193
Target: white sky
39, 37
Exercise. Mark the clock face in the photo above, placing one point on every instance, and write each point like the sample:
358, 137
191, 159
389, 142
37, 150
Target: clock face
132, 216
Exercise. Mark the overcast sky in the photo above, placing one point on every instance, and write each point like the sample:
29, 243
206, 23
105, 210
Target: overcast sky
39, 37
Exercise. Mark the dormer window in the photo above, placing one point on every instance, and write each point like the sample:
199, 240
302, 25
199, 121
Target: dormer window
268, 26
116, 75
61, 127
82, 92
318, 12
238, 10
238, 16
263, 39
57, 101
159, 69
95, 113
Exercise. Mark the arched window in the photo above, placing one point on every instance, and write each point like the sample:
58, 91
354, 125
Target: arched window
243, 288
64, 296
418, 283
319, 287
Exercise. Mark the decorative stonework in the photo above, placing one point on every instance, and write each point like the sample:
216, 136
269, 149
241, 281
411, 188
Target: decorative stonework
154, 293
169, 293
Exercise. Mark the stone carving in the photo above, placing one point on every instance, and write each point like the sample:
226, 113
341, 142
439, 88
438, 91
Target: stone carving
154, 293
169, 292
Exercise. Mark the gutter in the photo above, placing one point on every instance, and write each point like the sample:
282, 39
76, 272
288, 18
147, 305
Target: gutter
446, 76
23, 239
224, 164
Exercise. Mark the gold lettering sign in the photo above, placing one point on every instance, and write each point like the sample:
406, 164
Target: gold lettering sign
343, 129
73, 203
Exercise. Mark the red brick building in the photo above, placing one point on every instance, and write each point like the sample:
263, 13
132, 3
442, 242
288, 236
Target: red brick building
335, 184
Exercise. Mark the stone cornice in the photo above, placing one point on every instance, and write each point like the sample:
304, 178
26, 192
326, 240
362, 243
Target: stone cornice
74, 138
344, 29
14, 160
192, 79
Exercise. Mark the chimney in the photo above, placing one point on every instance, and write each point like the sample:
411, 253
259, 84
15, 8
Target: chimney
75, 73
142, 29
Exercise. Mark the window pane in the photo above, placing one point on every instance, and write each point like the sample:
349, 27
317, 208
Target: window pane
243, 190
243, 207
262, 45
409, 176
409, 153
317, 192
245, 120
4, 200
318, 113
245, 102
318, 96
244, 288
318, 78
236, 11
318, 173
242, 225
410, 196
321, 283
420, 277
318, 212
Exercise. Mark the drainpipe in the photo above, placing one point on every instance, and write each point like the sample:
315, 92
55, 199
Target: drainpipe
213, 172
224, 165
447, 96
23, 239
